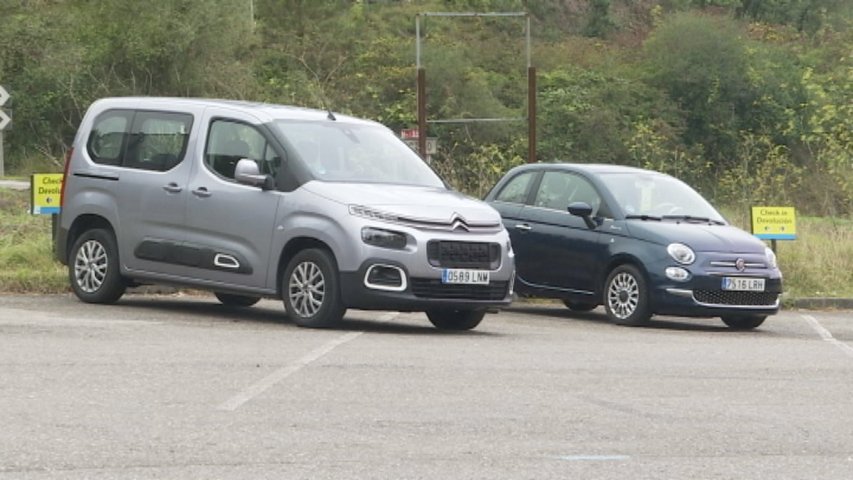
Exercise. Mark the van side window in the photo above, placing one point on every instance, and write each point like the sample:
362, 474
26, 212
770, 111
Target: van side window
158, 141
106, 142
231, 141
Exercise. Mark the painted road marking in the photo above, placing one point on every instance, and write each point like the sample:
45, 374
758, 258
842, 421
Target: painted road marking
265, 383
826, 335
593, 458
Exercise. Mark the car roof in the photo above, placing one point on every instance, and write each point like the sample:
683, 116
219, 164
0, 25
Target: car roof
592, 168
265, 111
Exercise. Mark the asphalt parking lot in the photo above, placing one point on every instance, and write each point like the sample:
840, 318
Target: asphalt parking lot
181, 387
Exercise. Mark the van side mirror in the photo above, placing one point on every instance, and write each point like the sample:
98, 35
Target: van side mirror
247, 173
583, 210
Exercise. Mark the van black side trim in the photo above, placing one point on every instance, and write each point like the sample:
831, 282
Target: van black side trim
191, 256
112, 178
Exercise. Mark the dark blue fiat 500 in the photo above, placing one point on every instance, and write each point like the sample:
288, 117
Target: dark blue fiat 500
637, 241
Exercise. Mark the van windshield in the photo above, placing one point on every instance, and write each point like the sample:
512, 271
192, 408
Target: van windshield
345, 152
656, 195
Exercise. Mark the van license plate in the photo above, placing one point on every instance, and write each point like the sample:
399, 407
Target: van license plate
468, 277
741, 284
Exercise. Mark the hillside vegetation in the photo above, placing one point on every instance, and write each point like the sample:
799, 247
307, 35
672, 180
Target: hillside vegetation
749, 101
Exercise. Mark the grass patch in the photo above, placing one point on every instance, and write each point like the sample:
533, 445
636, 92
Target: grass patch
818, 264
26, 248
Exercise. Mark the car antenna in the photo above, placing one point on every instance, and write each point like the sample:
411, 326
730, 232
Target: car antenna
325, 102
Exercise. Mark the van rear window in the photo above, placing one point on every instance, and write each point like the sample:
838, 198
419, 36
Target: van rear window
145, 140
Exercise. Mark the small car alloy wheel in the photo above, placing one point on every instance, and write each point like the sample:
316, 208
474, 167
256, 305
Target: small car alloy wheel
311, 294
626, 296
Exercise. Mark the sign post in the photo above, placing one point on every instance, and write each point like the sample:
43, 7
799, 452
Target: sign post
4, 122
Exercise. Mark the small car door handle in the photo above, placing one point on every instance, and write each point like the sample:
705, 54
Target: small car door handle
523, 226
201, 192
172, 188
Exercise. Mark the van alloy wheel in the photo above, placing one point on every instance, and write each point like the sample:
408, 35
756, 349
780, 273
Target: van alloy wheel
93, 267
307, 289
90, 266
311, 292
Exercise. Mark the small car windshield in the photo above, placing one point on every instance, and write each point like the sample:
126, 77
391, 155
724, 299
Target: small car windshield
658, 197
346, 152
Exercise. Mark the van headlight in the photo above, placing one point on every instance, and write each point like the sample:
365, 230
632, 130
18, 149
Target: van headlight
379, 237
771, 257
681, 253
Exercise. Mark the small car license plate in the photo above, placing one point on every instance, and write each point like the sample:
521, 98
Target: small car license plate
463, 276
742, 284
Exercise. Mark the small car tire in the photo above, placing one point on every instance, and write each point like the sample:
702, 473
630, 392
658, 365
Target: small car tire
310, 289
455, 319
744, 322
231, 300
93, 267
579, 306
626, 296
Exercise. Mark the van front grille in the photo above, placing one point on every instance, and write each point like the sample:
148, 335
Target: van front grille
476, 255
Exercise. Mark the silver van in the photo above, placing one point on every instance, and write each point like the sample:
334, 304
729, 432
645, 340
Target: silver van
251, 200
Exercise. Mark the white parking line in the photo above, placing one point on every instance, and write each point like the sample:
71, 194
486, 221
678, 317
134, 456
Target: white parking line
826, 335
262, 385
249, 393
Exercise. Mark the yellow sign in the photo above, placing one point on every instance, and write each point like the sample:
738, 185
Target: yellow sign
774, 223
46, 189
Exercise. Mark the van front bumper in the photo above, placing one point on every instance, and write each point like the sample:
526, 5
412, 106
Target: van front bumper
422, 294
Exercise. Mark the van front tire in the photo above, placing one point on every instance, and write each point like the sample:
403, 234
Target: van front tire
455, 319
311, 290
93, 267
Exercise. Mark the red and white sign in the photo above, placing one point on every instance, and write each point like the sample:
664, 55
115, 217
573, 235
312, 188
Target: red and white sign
408, 133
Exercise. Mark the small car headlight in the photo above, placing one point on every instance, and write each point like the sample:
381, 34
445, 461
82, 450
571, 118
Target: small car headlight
771, 257
681, 253
383, 238
677, 273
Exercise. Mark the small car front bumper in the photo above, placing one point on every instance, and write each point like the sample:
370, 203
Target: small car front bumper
704, 297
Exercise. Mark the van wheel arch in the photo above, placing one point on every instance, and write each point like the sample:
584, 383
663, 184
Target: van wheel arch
84, 223
293, 247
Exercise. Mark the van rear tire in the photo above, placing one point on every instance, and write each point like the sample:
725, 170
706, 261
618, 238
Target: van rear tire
93, 267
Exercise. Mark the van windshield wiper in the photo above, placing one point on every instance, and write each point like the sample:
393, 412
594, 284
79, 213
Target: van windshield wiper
644, 217
693, 218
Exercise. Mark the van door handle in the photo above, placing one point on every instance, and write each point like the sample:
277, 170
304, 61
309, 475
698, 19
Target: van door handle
201, 192
172, 188
523, 227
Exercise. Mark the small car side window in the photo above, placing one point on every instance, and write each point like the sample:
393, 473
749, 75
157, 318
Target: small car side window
560, 189
159, 140
106, 142
515, 191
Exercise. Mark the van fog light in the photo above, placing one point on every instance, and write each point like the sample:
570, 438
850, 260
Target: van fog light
385, 277
677, 273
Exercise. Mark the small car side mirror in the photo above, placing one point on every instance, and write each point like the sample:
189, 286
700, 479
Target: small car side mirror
583, 210
246, 172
